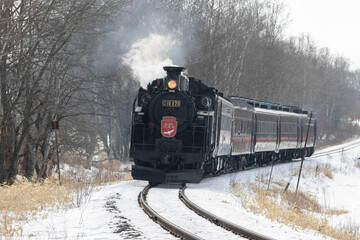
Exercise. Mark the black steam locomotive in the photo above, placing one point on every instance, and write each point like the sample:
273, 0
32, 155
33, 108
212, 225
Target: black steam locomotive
183, 130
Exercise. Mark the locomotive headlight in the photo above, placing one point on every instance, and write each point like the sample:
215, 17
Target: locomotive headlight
145, 98
206, 101
172, 84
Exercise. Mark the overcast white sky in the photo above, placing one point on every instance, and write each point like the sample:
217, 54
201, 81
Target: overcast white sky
331, 23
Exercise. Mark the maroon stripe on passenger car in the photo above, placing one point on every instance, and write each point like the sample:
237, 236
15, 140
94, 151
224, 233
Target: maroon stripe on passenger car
266, 139
242, 139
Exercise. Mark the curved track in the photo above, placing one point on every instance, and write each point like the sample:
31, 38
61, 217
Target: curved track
243, 232
172, 228
184, 234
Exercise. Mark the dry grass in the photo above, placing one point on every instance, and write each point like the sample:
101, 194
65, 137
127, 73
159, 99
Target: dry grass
24, 200
111, 172
309, 171
105, 170
306, 171
97, 176
299, 212
103, 163
115, 166
325, 171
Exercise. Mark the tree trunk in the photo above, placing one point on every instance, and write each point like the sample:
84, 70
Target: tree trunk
29, 159
44, 161
89, 161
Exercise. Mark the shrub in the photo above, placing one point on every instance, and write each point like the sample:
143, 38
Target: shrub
24, 200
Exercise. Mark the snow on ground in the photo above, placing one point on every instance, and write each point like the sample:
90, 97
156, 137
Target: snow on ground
112, 212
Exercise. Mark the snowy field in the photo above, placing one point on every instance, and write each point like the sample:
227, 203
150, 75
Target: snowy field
112, 212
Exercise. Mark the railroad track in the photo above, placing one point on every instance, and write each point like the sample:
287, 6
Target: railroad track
241, 231
184, 234
169, 226
337, 150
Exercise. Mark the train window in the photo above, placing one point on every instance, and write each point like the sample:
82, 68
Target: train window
242, 127
288, 128
260, 127
247, 127
265, 127
226, 123
273, 127
235, 126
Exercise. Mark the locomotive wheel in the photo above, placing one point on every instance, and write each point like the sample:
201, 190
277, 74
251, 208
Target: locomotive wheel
259, 160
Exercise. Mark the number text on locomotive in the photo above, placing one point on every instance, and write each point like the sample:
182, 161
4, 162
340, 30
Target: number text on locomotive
171, 103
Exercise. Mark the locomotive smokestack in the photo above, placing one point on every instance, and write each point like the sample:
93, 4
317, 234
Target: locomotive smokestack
174, 73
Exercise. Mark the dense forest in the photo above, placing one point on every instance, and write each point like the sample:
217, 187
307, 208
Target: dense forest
81, 62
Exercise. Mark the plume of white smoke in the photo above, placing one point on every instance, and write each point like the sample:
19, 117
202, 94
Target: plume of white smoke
149, 55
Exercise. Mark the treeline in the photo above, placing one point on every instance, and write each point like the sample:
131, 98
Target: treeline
47, 74
243, 52
62, 61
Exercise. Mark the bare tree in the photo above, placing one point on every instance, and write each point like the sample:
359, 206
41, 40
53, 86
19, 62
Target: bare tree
34, 86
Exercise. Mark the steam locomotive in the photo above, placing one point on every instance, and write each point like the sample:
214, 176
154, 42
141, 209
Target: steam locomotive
183, 130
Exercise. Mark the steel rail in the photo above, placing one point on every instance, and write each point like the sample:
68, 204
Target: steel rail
243, 232
337, 150
172, 228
